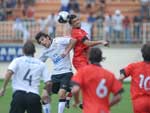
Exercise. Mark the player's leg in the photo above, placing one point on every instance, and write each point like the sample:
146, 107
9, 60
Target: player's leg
46, 107
64, 86
68, 98
46, 98
68, 88
34, 106
18, 104
62, 100
46, 102
78, 65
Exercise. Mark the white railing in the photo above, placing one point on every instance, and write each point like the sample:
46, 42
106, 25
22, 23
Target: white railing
47, 0
8, 33
146, 32
138, 32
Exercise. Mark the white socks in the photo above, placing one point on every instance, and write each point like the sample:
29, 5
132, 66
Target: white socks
61, 105
46, 108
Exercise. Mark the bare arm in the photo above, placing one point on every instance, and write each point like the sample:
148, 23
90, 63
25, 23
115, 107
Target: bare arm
69, 47
8, 75
116, 99
94, 43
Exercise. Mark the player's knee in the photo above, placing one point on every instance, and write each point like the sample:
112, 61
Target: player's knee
62, 93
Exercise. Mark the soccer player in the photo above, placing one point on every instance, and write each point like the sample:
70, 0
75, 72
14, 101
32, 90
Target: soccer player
57, 50
97, 86
140, 81
82, 44
26, 73
81, 48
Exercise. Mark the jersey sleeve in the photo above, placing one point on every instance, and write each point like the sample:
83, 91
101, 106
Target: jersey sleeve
116, 86
13, 66
78, 34
45, 74
127, 71
43, 57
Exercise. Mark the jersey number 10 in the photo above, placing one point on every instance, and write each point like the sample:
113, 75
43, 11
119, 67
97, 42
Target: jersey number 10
144, 82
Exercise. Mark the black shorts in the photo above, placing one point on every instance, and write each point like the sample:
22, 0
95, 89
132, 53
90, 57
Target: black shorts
23, 101
61, 81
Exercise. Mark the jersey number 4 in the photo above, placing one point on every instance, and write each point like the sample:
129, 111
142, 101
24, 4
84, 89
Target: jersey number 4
28, 77
102, 89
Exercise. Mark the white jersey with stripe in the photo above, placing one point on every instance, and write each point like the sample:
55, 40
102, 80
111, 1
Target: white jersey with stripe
54, 52
28, 72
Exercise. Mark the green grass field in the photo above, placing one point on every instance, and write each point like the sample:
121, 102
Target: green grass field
123, 107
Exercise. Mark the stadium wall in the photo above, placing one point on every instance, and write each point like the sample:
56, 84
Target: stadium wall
116, 58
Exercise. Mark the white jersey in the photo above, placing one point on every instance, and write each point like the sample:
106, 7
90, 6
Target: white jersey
28, 72
60, 64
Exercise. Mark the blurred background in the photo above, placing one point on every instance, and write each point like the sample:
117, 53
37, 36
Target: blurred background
125, 23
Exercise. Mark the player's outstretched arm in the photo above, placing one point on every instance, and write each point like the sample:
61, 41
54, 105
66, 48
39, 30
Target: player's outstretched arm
94, 43
8, 75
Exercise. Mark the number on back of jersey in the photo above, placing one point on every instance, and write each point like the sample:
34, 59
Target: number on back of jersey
102, 89
27, 77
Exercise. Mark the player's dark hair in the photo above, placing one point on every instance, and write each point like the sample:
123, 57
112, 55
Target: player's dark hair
41, 34
145, 50
29, 48
95, 55
71, 17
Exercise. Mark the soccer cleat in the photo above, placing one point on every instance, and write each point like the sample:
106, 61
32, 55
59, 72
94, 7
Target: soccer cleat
81, 106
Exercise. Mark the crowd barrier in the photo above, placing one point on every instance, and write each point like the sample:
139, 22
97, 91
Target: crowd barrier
138, 32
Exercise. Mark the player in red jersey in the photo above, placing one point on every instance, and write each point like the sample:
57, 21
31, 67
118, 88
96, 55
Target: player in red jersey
140, 82
97, 87
82, 46
83, 43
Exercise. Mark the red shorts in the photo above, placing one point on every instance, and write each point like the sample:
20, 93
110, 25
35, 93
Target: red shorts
141, 105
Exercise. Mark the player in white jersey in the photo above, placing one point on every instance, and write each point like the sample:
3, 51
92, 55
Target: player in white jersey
57, 50
26, 72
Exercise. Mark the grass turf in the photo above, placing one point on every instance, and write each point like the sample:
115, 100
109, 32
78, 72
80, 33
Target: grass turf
123, 107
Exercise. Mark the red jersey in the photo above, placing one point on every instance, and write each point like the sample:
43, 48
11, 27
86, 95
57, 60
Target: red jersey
140, 74
96, 88
80, 50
